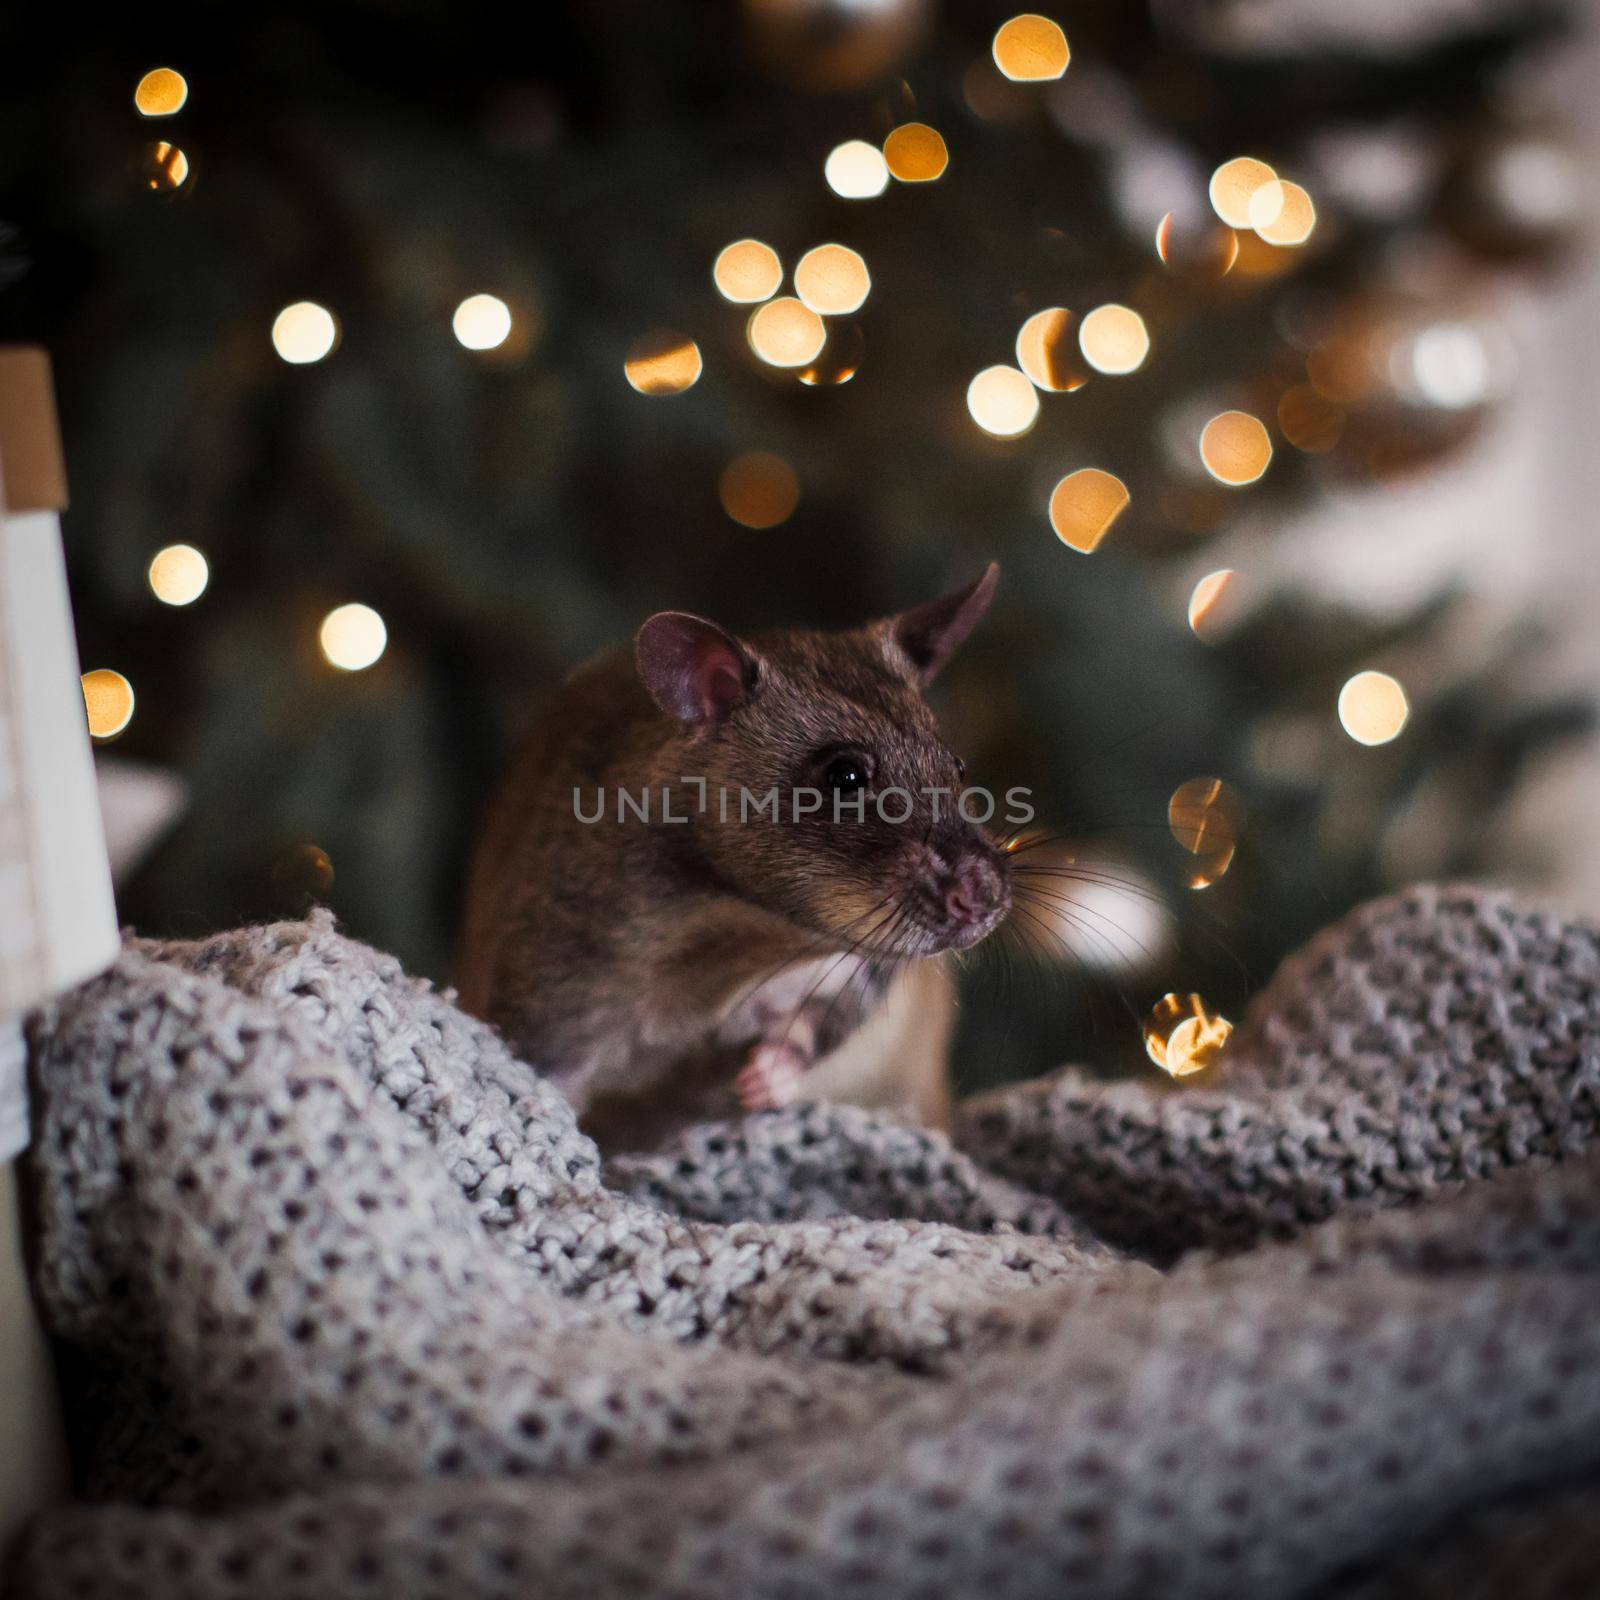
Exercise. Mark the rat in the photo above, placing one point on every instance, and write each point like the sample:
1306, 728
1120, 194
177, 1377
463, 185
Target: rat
648, 926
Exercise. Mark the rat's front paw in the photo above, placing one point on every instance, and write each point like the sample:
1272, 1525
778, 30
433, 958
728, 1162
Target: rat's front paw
771, 1076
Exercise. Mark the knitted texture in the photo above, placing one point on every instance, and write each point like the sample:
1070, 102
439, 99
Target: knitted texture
350, 1307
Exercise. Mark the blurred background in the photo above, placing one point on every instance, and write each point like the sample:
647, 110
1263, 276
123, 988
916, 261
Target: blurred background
409, 354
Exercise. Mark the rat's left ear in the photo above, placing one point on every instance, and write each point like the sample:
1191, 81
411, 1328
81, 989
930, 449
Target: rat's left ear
694, 670
931, 634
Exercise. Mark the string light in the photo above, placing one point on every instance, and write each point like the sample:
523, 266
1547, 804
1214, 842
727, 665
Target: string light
1206, 251
1205, 816
1114, 340
161, 92
1373, 708
1003, 402
1207, 602
916, 153
759, 489
1294, 220
1233, 186
1031, 49
663, 362
856, 170
165, 166
1084, 505
107, 702
482, 322
352, 637
787, 333
1047, 351
832, 280
178, 575
1182, 1036
304, 332
1235, 448
747, 271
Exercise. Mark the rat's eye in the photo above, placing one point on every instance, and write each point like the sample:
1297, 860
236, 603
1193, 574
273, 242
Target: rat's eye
961, 770
848, 774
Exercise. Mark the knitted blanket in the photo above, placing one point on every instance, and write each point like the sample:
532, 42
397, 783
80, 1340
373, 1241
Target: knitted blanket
348, 1307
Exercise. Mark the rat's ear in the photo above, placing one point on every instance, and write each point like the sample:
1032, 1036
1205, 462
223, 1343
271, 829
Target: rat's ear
694, 670
931, 634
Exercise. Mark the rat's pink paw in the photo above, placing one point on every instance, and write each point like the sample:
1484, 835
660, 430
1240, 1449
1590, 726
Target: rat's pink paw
771, 1077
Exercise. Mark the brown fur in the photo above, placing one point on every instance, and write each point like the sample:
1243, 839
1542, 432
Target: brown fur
638, 964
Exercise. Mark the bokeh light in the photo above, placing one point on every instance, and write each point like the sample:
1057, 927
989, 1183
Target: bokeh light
747, 271
840, 359
1294, 220
787, 333
916, 153
759, 489
304, 332
1235, 183
1183, 1036
1209, 601
856, 170
1310, 421
1083, 506
1114, 340
1235, 448
482, 322
166, 167
1373, 708
1031, 49
352, 637
663, 362
1448, 365
1206, 817
1047, 350
161, 92
1200, 249
1003, 402
107, 701
1265, 205
178, 575
832, 280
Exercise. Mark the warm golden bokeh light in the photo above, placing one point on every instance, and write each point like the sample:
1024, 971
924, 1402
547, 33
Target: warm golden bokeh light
759, 489
178, 575
1206, 816
1084, 505
1373, 708
161, 93
1293, 221
482, 322
1310, 421
663, 362
787, 333
840, 359
916, 153
1266, 205
1204, 250
1114, 340
856, 170
832, 280
1031, 49
1234, 185
1003, 402
1182, 1036
352, 637
304, 332
1047, 350
1208, 601
165, 166
107, 701
1235, 448
747, 271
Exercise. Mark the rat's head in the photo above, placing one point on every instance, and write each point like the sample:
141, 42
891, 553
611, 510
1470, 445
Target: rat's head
871, 846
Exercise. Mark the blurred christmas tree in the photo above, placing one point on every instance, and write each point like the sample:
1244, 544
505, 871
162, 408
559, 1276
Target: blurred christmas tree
481, 474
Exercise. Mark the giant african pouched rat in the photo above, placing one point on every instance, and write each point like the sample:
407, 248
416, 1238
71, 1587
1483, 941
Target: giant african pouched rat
691, 955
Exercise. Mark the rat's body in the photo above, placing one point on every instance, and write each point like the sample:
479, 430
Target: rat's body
665, 970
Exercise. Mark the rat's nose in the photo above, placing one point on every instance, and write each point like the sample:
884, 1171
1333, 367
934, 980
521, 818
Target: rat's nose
972, 891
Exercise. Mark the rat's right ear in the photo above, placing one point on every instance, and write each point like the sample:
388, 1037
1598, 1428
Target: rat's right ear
694, 670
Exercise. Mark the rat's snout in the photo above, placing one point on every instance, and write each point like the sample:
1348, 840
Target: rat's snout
972, 891
964, 889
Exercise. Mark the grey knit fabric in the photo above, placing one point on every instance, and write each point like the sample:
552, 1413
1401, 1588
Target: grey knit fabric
350, 1308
